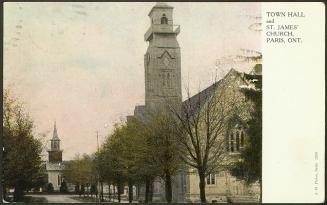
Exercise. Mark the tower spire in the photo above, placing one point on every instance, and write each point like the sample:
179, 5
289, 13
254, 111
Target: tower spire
55, 134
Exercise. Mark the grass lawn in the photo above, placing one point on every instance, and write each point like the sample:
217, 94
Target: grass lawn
31, 199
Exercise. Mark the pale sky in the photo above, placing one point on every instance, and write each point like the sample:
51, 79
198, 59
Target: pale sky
81, 64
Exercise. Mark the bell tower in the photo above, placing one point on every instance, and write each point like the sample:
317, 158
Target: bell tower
162, 61
55, 154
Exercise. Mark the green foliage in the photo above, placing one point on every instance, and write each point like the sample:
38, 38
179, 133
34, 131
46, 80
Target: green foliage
137, 151
119, 158
163, 143
81, 170
164, 148
22, 152
248, 167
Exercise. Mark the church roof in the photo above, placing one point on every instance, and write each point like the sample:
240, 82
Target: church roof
196, 102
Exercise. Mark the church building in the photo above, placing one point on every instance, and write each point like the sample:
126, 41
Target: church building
162, 65
55, 164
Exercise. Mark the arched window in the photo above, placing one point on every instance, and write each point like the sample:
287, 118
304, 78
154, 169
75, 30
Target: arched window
237, 141
227, 141
164, 19
232, 143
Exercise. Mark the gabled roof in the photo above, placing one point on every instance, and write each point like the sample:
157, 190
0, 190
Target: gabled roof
197, 101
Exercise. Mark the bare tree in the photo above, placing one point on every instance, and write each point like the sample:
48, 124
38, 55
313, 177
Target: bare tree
202, 126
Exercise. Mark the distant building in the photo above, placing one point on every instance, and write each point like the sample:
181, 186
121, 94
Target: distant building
54, 165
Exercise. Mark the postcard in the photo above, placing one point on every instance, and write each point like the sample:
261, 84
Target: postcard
163, 102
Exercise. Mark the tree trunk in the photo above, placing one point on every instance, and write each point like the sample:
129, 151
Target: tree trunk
4, 191
101, 194
118, 191
114, 194
147, 190
18, 194
130, 191
109, 191
168, 188
151, 191
202, 186
137, 192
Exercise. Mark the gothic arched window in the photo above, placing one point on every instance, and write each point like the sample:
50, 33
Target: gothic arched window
232, 143
164, 19
242, 139
237, 141
227, 141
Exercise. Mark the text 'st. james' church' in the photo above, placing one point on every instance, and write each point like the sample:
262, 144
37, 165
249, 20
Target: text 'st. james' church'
162, 61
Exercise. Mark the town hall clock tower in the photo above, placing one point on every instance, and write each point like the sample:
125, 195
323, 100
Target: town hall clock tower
162, 61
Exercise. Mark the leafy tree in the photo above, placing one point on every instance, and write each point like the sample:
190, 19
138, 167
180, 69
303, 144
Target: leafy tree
81, 171
145, 167
138, 152
111, 161
22, 151
248, 167
124, 158
164, 148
